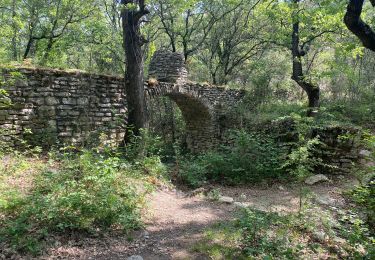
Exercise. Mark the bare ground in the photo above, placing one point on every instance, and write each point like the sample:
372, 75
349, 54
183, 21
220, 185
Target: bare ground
174, 222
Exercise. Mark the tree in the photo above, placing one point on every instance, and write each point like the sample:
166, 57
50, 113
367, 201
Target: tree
312, 91
357, 26
187, 24
49, 21
318, 20
232, 41
131, 13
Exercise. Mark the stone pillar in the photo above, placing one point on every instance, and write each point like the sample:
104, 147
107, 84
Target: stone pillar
166, 66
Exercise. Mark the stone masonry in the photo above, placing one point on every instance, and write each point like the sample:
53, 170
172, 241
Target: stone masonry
76, 107
63, 107
70, 107
166, 66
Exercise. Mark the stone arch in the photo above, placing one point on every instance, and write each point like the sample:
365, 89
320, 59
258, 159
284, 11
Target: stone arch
200, 121
198, 113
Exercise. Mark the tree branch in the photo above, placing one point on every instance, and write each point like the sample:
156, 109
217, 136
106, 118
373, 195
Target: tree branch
357, 26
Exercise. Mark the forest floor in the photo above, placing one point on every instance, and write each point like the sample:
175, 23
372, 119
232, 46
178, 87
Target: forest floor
175, 222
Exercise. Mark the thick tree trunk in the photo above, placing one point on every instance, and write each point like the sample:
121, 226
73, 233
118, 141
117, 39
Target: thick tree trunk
134, 81
312, 91
358, 27
28, 47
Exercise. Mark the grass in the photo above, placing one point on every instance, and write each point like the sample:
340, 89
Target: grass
313, 233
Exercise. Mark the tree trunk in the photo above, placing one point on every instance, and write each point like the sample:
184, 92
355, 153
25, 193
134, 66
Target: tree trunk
358, 27
28, 47
312, 91
48, 50
134, 81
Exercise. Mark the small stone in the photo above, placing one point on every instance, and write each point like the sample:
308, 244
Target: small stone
325, 200
51, 101
365, 153
241, 204
339, 240
320, 236
281, 188
315, 179
135, 257
226, 199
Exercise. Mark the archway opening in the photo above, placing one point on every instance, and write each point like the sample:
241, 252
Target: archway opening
183, 119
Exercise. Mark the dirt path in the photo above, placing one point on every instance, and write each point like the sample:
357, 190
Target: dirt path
175, 222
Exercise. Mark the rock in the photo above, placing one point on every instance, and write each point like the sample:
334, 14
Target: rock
196, 192
365, 153
241, 204
319, 236
226, 199
243, 196
315, 179
281, 188
326, 201
135, 257
339, 240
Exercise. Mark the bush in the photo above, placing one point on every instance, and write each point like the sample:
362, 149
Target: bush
251, 158
258, 239
87, 192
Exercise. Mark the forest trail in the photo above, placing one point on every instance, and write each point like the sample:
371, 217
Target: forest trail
175, 222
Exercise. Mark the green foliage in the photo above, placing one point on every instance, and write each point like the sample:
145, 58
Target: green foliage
258, 234
257, 241
251, 158
302, 161
87, 192
364, 195
214, 194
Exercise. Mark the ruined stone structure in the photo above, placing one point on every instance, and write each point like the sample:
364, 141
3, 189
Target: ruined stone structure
203, 108
69, 107
166, 66
75, 107
63, 107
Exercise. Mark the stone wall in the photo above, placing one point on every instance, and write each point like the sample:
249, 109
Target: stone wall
70, 107
63, 107
203, 108
339, 147
75, 107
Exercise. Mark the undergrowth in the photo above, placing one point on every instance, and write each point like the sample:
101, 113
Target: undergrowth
86, 192
312, 233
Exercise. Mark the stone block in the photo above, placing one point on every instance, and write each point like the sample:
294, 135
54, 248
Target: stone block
51, 101
82, 101
69, 101
46, 111
38, 101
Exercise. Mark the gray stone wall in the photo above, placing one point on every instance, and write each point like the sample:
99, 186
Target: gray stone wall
339, 149
63, 107
75, 107
202, 107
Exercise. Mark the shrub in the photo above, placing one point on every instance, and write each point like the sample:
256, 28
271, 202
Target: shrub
258, 239
364, 195
87, 192
251, 158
